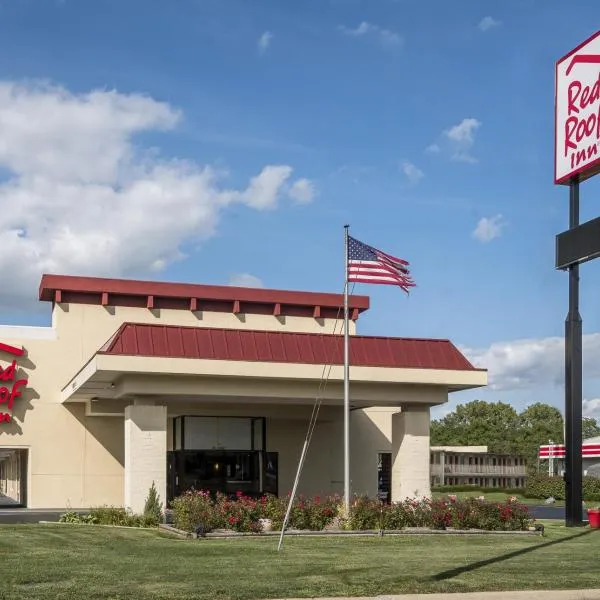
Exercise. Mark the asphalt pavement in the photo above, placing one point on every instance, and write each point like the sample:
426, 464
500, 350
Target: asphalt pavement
551, 512
17, 516
27, 515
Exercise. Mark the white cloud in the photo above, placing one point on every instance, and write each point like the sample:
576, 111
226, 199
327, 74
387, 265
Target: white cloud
413, 173
82, 198
264, 41
489, 228
488, 23
433, 149
245, 280
264, 188
591, 408
302, 191
461, 138
464, 131
529, 363
384, 36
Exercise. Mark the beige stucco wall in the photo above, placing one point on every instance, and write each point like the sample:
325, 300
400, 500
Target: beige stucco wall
78, 460
371, 434
90, 326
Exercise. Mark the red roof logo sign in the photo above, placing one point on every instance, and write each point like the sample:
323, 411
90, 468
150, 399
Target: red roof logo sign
10, 386
577, 102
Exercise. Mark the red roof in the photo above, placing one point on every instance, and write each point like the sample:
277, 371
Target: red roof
170, 341
188, 296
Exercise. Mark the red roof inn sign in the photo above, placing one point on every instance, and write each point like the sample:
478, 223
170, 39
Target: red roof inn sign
577, 110
576, 158
10, 386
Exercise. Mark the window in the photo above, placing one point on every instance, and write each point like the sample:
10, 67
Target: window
219, 433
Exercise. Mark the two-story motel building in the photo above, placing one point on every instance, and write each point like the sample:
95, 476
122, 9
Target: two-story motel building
209, 387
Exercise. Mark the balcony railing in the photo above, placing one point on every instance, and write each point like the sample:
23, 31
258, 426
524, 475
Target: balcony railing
520, 470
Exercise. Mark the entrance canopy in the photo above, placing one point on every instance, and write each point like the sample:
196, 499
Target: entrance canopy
168, 361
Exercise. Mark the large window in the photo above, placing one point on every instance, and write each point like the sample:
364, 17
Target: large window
219, 433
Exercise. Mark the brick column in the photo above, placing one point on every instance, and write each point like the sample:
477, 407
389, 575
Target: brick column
145, 453
410, 453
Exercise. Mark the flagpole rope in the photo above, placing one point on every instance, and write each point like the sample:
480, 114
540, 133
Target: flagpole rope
325, 375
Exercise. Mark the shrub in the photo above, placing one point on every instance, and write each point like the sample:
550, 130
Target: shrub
109, 515
74, 517
194, 509
274, 509
152, 508
243, 514
542, 486
313, 513
591, 489
475, 488
366, 513
114, 515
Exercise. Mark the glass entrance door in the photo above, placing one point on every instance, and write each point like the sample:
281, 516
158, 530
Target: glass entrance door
230, 472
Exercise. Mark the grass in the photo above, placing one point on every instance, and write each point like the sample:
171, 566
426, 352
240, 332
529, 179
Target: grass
496, 496
68, 562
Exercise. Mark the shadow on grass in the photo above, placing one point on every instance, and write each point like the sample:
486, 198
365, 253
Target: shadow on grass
496, 559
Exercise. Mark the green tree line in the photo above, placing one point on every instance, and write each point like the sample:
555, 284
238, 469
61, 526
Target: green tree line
504, 430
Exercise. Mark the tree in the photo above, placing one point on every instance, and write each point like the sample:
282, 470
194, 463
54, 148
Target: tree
152, 508
478, 423
589, 428
498, 426
538, 424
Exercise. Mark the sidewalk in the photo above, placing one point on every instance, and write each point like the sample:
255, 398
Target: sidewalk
529, 595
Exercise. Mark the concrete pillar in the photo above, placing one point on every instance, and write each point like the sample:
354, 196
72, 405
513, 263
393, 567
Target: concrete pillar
410, 453
145, 453
443, 468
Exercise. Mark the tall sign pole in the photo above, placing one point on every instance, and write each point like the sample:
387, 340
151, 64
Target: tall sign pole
573, 381
576, 158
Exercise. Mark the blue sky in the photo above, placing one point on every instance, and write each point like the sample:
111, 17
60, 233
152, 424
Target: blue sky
419, 123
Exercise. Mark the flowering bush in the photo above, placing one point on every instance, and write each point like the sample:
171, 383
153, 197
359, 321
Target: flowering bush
193, 509
438, 514
366, 513
244, 514
241, 514
312, 513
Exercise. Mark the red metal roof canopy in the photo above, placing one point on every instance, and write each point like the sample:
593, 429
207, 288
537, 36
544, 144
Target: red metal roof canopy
169, 341
195, 297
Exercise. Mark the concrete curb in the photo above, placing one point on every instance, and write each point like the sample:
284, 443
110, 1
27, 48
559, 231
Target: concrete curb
178, 532
97, 525
342, 533
511, 595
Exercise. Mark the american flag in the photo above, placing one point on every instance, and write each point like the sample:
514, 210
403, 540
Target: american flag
369, 265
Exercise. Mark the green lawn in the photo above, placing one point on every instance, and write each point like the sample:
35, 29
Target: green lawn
66, 562
496, 496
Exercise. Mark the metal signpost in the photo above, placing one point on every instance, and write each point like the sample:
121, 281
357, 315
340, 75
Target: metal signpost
576, 158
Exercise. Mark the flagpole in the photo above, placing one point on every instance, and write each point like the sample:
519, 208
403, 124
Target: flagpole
346, 384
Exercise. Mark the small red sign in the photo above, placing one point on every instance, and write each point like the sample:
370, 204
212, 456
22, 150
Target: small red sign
8, 374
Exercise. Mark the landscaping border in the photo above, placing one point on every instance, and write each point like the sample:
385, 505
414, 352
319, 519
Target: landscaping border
96, 525
222, 534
